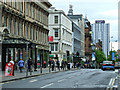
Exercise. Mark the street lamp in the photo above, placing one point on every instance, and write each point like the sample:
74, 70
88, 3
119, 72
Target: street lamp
112, 47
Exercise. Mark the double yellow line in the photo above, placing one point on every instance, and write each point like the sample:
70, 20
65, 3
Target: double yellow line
111, 86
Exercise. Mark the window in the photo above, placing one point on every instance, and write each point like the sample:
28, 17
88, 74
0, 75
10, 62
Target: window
21, 5
30, 10
56, 32
56, 19
36, 34
5, 1
18, 4
56, 47
5, 21
10, 2
10, 24
26, 8
21, 29
17, 28
13, 26
52, 47
30, 32
27, 32
35, 13
33, 34
14, 3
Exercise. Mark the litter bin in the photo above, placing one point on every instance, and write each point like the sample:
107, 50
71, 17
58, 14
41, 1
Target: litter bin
68, 66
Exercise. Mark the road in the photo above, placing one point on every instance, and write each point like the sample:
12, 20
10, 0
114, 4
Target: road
84, 78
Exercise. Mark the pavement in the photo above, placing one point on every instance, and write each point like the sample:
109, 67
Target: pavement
119, 79
18, 75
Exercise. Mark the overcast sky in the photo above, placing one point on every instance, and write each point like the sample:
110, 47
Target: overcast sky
95, 10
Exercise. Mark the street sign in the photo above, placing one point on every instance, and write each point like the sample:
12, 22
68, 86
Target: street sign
113, 55
51, 55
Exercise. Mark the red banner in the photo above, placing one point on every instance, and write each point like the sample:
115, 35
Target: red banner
50, 38
9, 69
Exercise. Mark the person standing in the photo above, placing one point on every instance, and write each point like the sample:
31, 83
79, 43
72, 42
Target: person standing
21, 65
63, 64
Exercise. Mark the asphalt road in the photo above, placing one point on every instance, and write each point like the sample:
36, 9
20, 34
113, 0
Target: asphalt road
84, 78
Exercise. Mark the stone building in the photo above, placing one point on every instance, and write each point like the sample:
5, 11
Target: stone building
24, 31
60, 26
88, 40
79, 21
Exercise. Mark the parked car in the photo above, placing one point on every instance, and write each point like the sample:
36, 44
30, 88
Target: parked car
108, 65
117, 65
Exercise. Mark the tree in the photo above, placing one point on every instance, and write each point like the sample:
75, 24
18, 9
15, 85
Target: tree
100, 56
110, 56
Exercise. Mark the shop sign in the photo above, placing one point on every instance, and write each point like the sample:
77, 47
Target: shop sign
51, 55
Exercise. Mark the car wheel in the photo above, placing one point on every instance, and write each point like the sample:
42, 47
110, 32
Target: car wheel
103, 69
113, 69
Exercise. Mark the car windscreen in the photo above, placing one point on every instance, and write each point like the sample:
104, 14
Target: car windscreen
107, 62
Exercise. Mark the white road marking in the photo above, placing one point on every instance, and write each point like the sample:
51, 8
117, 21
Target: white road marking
6, 82
33, 80
32, 77
47, 85
71, 76
2, 83
110, 81
61, 80
12, 81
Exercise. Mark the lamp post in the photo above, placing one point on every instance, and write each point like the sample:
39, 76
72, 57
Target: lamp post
26, 57
112, 47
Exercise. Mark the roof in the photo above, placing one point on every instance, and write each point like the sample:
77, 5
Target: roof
76, 16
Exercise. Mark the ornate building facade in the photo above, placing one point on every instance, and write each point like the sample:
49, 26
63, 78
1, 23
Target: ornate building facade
24, 31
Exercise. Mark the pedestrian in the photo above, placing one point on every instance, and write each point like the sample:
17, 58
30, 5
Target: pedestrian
53, 63
44, 64
13, 66
49, 63
21, 65
58, 64
63, 64
29, 64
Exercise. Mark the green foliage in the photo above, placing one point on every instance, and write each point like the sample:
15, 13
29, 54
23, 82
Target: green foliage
100, 56
110, 56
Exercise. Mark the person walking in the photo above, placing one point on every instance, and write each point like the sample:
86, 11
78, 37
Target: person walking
58, 65
21, 65
53, 63
29, 64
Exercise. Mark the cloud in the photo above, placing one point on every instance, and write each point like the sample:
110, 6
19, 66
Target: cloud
86, 1
110, 13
